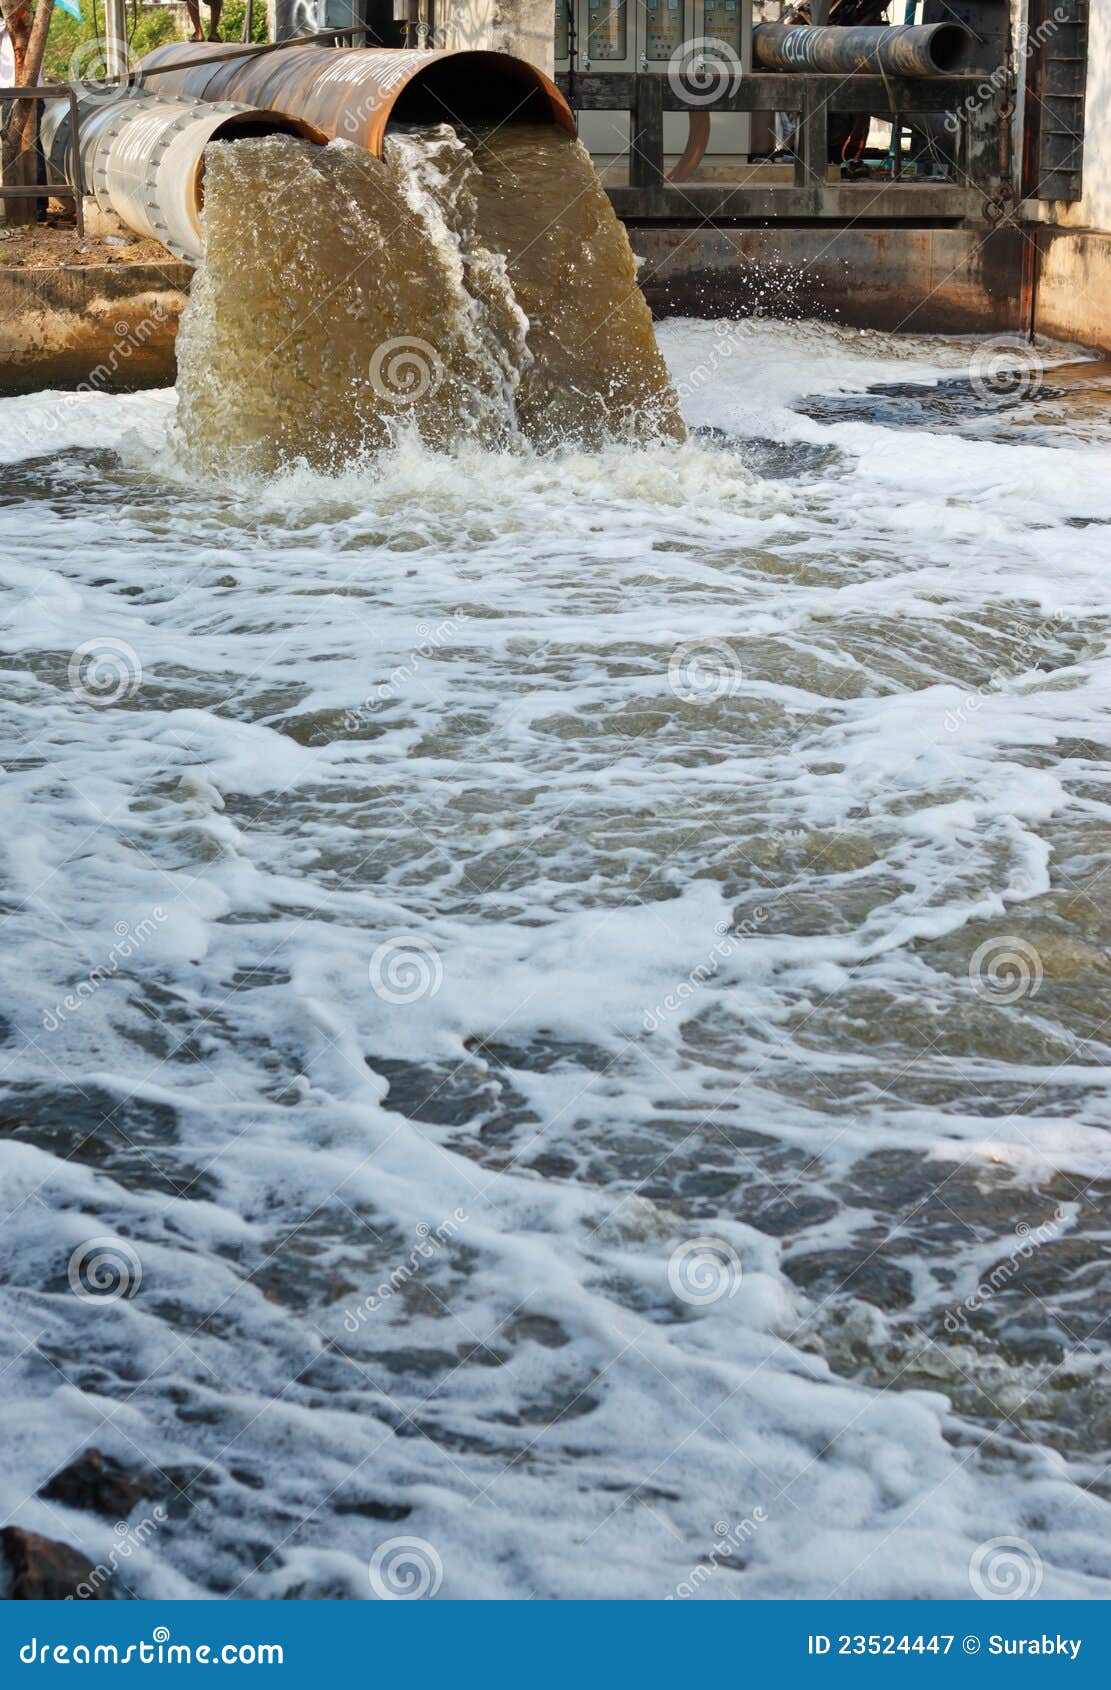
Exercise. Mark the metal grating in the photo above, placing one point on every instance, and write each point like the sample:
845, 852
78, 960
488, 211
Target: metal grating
1059, 90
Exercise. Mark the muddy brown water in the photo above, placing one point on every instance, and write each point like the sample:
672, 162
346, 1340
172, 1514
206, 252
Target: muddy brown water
474, 287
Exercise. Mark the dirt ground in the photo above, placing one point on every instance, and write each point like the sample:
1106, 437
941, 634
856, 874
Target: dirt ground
45, 245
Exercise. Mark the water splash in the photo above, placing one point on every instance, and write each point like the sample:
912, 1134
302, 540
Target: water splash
464, 288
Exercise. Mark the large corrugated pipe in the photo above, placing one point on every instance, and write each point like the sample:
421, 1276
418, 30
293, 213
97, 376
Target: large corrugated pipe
354, 92
143, 156
932, 49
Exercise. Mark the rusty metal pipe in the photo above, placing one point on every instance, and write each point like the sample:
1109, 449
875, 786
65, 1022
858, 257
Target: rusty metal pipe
698, 139
142, 156
353, 93
933, 49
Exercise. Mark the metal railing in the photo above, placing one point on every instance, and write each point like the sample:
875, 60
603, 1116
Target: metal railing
808, 194
74, 190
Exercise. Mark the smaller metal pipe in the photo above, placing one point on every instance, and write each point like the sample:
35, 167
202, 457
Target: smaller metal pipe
143, 157
698, 139
115, 40
935, 49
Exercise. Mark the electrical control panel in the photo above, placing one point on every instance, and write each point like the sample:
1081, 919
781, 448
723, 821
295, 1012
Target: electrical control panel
638, 34
664, 29
607, 30
721, 22
651, 35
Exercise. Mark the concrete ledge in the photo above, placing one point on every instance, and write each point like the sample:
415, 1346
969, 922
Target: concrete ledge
106, 326
915, 280
1073, 298
111, 327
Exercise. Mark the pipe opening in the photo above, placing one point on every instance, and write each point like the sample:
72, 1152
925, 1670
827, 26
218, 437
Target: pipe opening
477, 91
245, 126
249, 125
949, 48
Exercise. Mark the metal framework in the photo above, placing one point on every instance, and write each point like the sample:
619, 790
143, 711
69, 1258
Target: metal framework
810, 196
1059, 83
74, 190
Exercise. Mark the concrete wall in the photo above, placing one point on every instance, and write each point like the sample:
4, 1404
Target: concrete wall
1074, 286
905, 281
921, 281
108, 327
112, 328
523, 27
287, 18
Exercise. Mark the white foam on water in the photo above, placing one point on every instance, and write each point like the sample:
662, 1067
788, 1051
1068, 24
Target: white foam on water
663, 967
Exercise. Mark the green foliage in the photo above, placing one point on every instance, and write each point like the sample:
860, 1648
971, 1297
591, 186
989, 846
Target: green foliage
65, 36
155, 25
232, 18
68, 57
147, 26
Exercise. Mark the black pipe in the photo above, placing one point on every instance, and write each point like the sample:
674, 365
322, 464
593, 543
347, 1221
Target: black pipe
933, 49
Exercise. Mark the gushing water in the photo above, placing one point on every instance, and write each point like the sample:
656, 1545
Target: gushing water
475, 288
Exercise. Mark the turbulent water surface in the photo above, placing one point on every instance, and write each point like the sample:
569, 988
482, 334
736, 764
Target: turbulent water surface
438, 896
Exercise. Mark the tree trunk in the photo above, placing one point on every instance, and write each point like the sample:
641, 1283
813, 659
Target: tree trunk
28, 31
